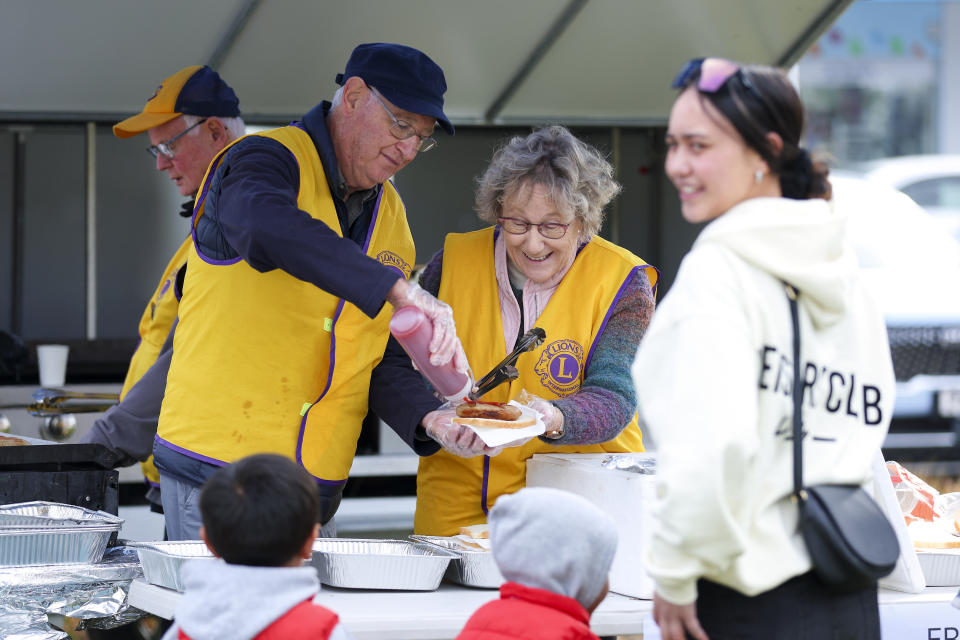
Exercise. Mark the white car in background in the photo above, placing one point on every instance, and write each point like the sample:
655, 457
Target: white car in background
912, 265
933, 181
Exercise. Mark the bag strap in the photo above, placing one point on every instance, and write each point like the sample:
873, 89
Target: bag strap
797, 394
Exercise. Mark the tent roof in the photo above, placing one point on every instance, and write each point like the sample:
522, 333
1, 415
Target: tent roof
506, 61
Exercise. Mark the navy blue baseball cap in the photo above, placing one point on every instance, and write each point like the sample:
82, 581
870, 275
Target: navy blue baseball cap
405, 76
196, 90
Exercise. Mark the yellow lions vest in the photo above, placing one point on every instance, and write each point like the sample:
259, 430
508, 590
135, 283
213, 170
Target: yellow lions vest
453, 491
154, 328
267, 363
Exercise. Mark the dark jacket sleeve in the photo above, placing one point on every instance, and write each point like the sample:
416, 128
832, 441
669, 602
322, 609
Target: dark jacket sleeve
400, 397
252, 204
398, 393
128, 428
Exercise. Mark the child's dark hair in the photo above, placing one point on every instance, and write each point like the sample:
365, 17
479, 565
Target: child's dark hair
758, 100
259, 510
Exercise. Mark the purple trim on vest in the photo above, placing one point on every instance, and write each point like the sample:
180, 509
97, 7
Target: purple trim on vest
190, 454
486, 480
373, 221
606, 317
151, 482
332, 359
166, 285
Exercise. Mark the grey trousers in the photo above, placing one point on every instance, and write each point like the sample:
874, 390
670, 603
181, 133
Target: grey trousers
181, 510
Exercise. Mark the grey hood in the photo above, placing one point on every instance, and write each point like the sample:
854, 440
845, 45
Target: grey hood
236, 601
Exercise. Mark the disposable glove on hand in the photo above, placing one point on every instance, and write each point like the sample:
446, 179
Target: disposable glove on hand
552, 416
455, 438
445, 345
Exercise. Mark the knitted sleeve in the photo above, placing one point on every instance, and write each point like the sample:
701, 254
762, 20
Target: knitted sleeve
606, 401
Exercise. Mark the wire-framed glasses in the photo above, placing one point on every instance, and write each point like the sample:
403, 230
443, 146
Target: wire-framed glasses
516, 226
402, 130
166, 147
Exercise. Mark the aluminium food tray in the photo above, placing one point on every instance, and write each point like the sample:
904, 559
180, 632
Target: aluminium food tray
40, 514
162, 561
400, 565
471, 567
54, 545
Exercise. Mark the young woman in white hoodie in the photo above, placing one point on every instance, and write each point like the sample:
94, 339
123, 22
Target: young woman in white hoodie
713, 373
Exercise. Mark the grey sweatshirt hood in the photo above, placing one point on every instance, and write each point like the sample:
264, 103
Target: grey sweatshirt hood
802, 242
237, 601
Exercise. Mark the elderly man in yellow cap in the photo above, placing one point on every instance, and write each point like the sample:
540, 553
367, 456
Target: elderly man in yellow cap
190, 118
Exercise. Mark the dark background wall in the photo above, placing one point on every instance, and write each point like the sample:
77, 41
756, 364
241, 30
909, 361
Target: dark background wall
49, 235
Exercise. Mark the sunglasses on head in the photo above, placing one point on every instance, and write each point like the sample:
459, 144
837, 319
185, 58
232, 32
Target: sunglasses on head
714, 73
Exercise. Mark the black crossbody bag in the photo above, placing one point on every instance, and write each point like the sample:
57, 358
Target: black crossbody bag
850, 541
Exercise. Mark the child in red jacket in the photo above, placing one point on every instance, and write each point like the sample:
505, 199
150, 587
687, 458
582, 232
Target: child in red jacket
259, 517
555, 550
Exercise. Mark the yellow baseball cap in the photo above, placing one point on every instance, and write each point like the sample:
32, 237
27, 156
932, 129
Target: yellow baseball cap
196, 90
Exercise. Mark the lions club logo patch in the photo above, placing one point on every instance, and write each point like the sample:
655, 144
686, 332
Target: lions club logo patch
559, 366
390, 259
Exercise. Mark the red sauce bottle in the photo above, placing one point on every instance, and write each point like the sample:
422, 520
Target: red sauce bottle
413, 331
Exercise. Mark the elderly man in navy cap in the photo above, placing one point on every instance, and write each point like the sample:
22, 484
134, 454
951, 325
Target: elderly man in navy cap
300, 239
189, 118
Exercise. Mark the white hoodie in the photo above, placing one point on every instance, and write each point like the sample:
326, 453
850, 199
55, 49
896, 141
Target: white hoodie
230, 601
714, 374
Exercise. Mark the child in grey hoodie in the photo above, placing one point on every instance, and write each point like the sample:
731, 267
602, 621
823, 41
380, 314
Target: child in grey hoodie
260, 520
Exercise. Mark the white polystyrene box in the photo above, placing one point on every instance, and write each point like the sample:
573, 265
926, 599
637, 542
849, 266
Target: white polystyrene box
625, 496
941, 567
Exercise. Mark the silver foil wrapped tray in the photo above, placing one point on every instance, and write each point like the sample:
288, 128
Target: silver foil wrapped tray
161, 561
471, 567
54, 545
39, 514
379, 564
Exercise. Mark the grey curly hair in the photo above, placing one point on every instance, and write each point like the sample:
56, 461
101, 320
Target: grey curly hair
578, 177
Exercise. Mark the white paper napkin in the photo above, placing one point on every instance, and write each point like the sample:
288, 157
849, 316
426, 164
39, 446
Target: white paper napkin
496, 436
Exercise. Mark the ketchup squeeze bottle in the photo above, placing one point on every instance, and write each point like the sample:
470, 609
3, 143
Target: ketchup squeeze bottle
413, 331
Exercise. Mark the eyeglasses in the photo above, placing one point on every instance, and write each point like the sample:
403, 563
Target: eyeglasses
714, 73
402, 130
166, 147
518, 227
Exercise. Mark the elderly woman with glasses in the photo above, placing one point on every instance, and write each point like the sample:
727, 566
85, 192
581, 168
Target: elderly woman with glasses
543, 265
715, 373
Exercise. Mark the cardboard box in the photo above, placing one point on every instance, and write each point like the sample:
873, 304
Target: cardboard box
625, 496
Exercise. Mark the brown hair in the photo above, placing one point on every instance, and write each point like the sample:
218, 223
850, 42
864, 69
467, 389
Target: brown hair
757, 100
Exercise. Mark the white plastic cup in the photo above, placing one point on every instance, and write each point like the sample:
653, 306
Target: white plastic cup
52, 361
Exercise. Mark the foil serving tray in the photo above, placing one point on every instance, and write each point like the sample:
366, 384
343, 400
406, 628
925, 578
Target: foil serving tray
54, 545
400, 565
39, 514
471, 567
162, 561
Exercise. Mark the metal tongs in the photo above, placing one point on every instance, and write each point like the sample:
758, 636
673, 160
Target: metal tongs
505, 371
54, 402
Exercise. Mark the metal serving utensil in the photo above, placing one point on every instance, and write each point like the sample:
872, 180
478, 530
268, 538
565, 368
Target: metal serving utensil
505, 371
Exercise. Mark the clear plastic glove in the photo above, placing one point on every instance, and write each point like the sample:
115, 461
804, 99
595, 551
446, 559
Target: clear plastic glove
455, 438
552, 416
445, 345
